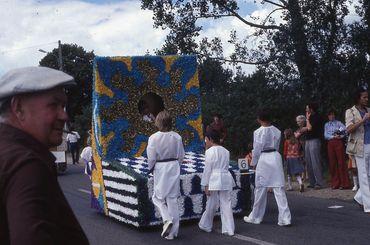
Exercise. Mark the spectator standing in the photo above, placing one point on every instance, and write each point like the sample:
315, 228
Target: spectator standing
33, 208
353, 170
358, 145
313, 146
72, 139
334, 133
293, 158
218, 125
300, 134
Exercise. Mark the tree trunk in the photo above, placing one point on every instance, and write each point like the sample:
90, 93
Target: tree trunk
305, 62
326, 63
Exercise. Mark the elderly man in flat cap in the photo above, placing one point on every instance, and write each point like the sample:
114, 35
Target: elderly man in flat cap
33, 208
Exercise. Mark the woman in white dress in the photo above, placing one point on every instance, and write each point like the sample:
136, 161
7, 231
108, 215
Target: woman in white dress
165, 154
218, 184
269, 172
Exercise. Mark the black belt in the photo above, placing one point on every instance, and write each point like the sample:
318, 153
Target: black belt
269, 150
234, 178
163, 160
167, 160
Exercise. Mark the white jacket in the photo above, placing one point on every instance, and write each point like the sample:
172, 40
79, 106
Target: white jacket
355, 144
216, 173
269, 170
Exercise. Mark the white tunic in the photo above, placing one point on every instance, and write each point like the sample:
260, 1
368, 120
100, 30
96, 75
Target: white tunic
216, 173
73, 137
86, 154
165, 145
269, 170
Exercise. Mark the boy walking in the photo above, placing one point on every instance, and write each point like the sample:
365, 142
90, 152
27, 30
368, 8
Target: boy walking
269, 172
218, 184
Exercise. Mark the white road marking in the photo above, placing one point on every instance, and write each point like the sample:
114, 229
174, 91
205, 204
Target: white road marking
249, 239
236, 236
335, 206
84, 191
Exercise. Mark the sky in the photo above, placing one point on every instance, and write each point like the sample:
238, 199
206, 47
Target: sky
110, 28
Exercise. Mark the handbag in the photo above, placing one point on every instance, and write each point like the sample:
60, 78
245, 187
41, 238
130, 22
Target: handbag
351, 146
352, 142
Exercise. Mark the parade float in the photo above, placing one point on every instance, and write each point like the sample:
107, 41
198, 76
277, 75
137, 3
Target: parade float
127, 94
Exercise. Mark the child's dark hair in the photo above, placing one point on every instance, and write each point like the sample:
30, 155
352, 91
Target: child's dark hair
330, 111
218, 115
264, 115
213, 135
290, 135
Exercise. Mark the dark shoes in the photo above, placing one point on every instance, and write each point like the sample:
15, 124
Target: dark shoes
339, 187
316, 187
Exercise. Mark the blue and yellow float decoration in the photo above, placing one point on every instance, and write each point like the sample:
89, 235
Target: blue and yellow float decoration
128, 93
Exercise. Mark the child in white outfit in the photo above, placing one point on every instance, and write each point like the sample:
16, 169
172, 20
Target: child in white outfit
165, 154
269, 172
86, 156
218, 184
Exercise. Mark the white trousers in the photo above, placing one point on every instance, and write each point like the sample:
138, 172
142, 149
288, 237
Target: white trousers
169, 210
217, 199
363, 168
260, 201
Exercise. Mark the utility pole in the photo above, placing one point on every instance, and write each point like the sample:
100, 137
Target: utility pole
59, 57
60, 61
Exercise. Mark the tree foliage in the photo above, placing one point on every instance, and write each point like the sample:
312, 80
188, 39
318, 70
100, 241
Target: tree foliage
303, 52
77, 62
307, 45
239, 99
310, 52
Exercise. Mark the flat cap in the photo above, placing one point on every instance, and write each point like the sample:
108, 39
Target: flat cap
32, 79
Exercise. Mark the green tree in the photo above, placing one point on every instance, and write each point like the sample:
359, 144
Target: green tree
239, 97
305, 48
83, 122
77, 62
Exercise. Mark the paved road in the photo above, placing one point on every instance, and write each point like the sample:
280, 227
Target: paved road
313, 222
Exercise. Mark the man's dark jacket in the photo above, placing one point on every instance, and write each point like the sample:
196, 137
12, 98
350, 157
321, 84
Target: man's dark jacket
33, 208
